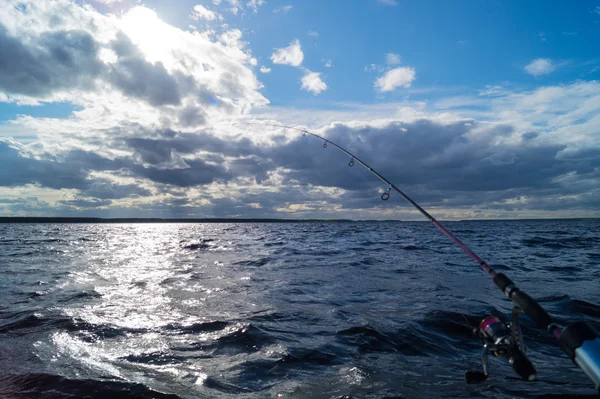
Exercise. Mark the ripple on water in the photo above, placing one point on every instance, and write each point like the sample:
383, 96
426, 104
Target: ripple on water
319, 310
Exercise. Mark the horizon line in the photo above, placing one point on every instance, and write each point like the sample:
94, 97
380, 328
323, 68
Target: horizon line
91, 219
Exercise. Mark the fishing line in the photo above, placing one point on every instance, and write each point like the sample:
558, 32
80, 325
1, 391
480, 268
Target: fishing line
386, 195
579, 340
459, 309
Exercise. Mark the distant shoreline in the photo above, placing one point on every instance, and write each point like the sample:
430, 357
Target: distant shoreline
161, 220
91, 220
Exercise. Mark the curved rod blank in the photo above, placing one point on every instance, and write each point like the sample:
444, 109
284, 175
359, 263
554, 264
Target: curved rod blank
528, 305
385, 195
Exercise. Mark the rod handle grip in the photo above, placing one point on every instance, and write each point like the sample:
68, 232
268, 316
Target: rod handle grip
531, 308
528, 305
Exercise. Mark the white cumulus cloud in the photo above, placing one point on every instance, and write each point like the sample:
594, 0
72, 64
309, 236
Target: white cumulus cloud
394, 78
254, 4
283, 9
312, 82
264, 69
539, 67
392, 59
374, 67
201, 12
290, 55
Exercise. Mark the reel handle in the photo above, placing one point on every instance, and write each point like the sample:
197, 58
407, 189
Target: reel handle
522, 365
475, 377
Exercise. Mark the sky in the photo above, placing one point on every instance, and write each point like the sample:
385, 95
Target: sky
475, 109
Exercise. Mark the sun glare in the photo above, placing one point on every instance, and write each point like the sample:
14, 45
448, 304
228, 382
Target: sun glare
149, 33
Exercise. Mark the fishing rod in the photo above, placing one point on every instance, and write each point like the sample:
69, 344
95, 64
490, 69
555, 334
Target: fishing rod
579, 340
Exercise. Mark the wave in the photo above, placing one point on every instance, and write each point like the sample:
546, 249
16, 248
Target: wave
208, 326
257, 263
32, 321
560, 243
405, 341
56, 387
80, 296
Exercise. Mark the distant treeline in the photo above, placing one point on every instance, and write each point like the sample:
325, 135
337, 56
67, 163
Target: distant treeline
159, 220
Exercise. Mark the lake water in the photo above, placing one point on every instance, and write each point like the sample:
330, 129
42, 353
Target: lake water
291, 310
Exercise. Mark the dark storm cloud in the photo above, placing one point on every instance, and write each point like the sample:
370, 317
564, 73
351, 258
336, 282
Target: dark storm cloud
192, 116
456, 165
445, 165
85, 202
136, 77
198, 173
56, 61
252, 166
435, 155
212, 167
71, 173
107, 190
156, 151
28, 205
69, 60
16, 170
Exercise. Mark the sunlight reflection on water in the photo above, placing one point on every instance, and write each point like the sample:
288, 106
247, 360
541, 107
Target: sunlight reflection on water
297, 310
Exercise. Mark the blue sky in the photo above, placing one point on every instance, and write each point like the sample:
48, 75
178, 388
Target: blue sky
122, 108
458, 45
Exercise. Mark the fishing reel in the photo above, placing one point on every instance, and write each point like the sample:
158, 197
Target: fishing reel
502, 340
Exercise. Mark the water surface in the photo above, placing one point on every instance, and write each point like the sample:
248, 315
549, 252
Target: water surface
311, 310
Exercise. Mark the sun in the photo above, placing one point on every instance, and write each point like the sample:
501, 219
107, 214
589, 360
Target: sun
152, 36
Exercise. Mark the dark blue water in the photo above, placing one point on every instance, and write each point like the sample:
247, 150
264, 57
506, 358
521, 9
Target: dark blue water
315, 310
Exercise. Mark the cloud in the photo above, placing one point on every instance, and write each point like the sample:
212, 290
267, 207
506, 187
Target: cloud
236, 6
104, 189
151, 132
444, 163
312, 82
108, 1
136, 77
18, 170
388, 2
597, 10
60, 60
291, 55
283, 9
539, 67
86, 202
462, 42
254, 4
264, 69
89, 56
327, 63
392, 59
313, 33
129, 75
200, 12
394, 78
374, 67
